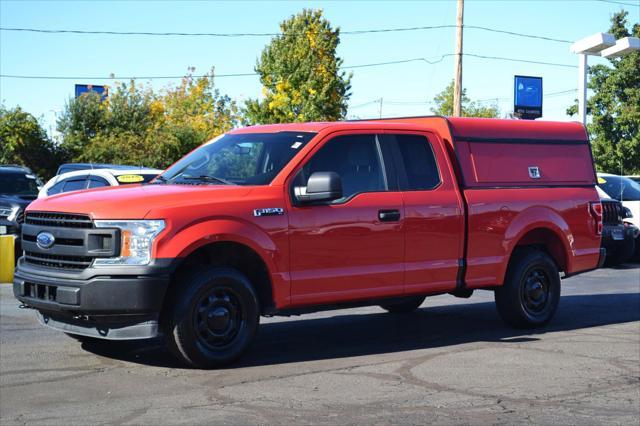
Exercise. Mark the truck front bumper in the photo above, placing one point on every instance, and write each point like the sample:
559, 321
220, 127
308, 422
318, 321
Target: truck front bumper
108, 303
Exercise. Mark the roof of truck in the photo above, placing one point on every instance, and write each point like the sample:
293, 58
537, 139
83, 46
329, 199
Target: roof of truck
460, 127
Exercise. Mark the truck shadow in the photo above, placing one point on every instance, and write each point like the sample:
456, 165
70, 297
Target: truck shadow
351, 335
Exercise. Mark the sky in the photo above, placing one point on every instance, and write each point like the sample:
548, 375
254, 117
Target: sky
405, 88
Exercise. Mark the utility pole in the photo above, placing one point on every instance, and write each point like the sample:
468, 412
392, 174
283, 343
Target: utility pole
457, 85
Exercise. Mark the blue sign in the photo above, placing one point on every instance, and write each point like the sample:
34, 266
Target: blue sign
103, 91
527, 96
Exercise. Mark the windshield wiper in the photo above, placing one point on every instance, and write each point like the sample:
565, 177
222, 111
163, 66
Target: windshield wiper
208, 179
158, 180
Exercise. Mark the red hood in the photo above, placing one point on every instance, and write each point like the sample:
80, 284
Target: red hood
135, 202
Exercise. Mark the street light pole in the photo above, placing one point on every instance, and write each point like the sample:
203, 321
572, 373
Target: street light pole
591, 45
457, 85
582, 88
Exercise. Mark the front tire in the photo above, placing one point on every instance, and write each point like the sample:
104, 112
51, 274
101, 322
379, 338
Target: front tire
214, 317
530, 294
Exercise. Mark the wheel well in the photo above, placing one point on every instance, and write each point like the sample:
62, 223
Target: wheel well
237, 256
548, 241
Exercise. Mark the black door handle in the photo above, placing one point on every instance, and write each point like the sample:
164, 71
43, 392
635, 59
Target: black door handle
389, 215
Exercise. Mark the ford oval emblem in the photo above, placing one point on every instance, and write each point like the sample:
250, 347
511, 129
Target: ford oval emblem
45, 240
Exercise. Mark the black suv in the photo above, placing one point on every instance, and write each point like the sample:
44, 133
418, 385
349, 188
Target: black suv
617, 238
18, 188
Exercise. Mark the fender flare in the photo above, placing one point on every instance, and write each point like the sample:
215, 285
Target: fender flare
538, 217
184, 241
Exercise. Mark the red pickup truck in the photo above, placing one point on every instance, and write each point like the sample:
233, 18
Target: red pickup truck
293, 218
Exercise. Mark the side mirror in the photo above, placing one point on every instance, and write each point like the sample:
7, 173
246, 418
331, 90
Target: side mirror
321, 186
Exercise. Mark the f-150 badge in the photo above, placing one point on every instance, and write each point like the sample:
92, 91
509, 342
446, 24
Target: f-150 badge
271, 211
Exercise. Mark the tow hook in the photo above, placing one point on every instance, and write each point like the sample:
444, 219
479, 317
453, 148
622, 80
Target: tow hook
81, 317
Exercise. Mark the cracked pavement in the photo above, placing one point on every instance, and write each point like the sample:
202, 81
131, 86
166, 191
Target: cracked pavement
452, 361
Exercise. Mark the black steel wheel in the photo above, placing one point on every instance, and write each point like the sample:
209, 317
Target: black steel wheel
212, 317
530, 294
218, 317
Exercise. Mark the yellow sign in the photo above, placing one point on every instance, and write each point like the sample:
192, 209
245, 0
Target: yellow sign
130, 178
600, 180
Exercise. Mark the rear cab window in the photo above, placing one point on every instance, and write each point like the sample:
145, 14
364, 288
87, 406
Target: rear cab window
417, 168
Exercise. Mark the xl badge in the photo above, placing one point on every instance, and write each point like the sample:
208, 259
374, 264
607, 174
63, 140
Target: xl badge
45, 240
271, 211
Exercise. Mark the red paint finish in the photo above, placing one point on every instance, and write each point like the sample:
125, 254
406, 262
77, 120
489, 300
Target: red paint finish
484, 207
343, 252
434, 230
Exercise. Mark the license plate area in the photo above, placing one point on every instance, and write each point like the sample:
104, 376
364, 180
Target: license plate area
617, 234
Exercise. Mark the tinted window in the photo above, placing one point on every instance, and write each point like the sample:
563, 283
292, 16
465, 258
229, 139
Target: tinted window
18, 184
355, 158
620, 188
97, 182
75, 184
57, 188
241, 159
419, 162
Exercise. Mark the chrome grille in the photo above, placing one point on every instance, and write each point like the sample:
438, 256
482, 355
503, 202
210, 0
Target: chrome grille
611, 213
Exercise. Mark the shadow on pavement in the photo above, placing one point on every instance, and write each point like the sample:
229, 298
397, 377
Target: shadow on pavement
376, 333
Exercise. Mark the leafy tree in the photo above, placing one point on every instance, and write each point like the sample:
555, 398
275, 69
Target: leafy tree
300, 74
444, 105
615, 107
138, 126
24, 141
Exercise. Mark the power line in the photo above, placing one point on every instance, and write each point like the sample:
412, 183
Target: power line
234, 35
618, 2
376, 64
519, 60
421, 103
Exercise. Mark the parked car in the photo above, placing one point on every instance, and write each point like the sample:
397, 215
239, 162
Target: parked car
627, 191
96, 178
634, 178
293, 218
18, 188
618, 237
72, 167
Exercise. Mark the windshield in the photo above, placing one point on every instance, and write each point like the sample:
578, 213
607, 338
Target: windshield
241, 159
18, 184
620, 188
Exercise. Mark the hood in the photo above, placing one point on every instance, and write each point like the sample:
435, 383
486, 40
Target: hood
136, 201
16, 200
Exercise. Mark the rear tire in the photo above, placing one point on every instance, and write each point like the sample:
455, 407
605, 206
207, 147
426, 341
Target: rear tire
213, 317
407, 304
530, 294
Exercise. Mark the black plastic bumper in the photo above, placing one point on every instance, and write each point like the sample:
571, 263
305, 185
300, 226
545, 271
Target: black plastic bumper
110, 302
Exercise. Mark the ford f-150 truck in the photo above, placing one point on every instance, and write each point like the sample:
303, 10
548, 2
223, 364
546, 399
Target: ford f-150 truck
292, 218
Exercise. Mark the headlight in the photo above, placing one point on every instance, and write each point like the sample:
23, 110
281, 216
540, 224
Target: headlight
13, 214
136, 240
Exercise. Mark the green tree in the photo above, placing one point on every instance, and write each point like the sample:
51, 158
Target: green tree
24, 141
138, 126
615, 107
300, 74
444, 105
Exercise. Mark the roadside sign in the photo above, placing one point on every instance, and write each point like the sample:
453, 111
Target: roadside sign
527, 97
103, 91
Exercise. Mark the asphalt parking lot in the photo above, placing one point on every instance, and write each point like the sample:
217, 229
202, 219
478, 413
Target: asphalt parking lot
453, 361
